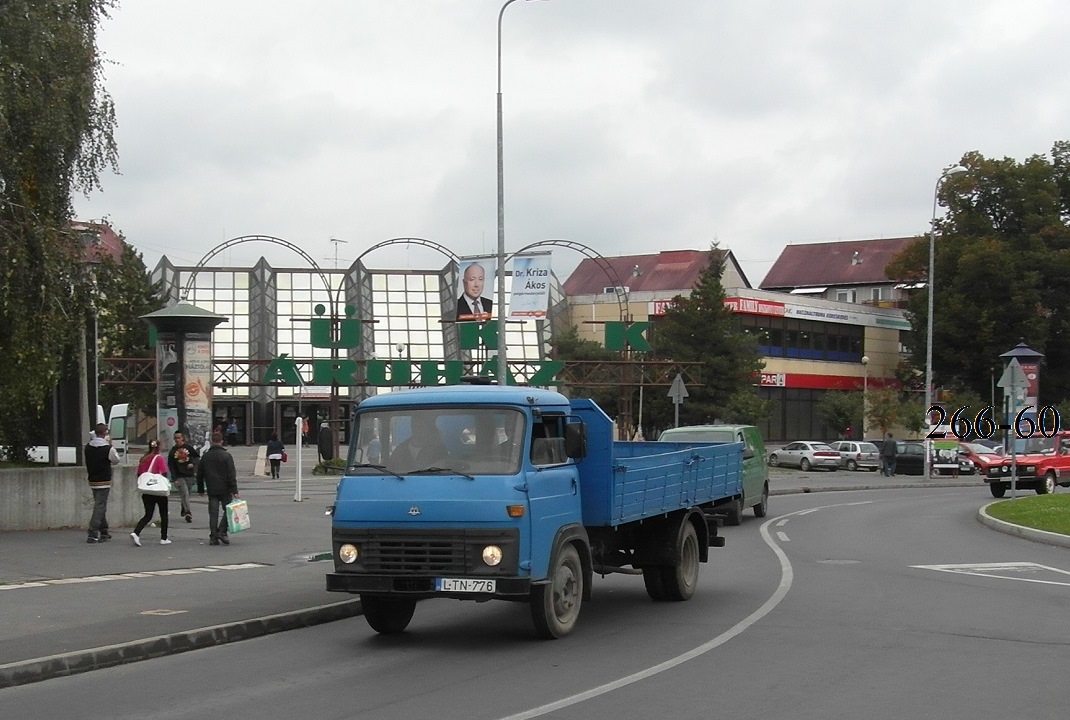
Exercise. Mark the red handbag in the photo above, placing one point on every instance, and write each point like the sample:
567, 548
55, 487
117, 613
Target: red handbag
284, 458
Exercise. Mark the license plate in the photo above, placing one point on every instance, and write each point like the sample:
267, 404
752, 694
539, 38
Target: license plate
467, 585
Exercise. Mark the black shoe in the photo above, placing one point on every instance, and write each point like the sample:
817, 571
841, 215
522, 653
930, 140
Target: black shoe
224, 539
213, 541
93, 540
189, 517
105, 537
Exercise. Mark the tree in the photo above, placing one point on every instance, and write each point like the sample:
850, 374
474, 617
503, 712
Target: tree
124, 292
841, 410
56, 135
699, 328
1002, 271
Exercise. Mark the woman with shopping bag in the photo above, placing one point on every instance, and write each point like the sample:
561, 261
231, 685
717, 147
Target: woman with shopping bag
155, 487
276, 451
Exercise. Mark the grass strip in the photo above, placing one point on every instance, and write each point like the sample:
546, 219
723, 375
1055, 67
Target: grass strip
1041, 512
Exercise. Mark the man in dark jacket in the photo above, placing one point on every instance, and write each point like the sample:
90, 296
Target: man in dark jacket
99, 457
216, 471
182, 464
889, 451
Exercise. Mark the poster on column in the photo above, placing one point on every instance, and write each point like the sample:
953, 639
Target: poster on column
168, 376
529, 293
197, 364
474, 295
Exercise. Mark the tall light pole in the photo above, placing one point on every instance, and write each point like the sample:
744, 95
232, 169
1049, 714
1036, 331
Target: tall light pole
954, 170
865, 393
503, 366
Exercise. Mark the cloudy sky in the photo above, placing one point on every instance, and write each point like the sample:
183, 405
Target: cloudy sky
630, 126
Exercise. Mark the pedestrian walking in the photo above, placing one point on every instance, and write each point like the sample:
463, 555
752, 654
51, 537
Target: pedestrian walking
232, 432
152, 461
275, 450
216, 470
182, 463
325, 442
888, 455
99, 457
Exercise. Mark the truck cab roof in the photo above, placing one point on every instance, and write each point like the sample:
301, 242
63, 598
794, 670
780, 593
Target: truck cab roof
469, 395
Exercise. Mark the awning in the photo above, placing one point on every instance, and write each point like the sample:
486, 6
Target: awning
809, 291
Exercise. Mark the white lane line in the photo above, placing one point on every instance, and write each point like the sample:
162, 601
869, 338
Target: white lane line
129, 576
783, 536
783, 522
787, 574
980, 570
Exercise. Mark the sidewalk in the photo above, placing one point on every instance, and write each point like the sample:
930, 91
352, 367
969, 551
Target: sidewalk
69, 607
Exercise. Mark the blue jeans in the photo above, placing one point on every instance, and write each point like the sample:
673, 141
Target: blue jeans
889, 467
98, 521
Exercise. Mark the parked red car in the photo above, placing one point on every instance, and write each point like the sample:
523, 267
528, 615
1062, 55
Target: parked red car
1043, 463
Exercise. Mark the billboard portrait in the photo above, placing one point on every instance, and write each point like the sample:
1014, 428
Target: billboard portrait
475, 291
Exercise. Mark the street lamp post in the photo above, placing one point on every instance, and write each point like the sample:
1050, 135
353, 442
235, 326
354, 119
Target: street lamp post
954, 170
865, 392
503, 366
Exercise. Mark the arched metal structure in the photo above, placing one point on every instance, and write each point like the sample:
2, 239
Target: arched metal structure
586, 251
411, 241
203, 262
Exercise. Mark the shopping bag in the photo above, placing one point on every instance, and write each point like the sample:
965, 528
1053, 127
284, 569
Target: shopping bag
149, 483
284, 458
238, 516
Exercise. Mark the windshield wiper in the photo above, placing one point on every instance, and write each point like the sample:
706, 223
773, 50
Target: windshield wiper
435, 468
357, 466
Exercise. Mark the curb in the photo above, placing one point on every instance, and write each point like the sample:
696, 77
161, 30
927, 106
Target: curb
1041, 536
53, 666
882, 486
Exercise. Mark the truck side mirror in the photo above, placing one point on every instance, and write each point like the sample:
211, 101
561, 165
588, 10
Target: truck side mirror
748, 453
576, 440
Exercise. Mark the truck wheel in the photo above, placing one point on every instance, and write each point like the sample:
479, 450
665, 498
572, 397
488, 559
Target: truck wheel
681, 579
762, 508
655, 582
735, 512
998, 489
387, 615
555, 605
1047, 485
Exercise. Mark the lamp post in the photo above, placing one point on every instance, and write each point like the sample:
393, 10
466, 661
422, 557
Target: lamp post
865, 392
954, 170
503, 366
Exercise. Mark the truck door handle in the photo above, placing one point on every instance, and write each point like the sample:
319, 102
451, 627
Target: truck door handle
575, 486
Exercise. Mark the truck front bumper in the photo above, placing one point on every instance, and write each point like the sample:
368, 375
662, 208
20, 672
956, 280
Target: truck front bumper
422, 586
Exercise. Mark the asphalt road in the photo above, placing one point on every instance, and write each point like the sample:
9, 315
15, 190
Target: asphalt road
890, 604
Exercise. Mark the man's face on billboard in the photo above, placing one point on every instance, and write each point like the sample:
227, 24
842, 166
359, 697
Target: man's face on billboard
474, 278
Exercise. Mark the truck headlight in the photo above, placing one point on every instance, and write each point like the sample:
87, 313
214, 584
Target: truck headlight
348, 553
492, 555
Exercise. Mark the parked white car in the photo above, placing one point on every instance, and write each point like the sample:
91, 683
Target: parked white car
856, 455
806, 454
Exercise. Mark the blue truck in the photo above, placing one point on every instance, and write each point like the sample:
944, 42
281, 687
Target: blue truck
481, 492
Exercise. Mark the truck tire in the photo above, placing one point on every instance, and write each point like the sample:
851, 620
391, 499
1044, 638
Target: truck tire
762, 508
655, 582
682, 579
387, 615
555, 605
735, 512
998, 489
1047, 485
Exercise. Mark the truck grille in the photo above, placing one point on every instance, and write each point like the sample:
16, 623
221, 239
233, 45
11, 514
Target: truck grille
429, 552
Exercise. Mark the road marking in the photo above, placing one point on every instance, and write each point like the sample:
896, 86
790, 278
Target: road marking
1013, 570
163, 612
783, 522
130, 576
783, 536
787, 575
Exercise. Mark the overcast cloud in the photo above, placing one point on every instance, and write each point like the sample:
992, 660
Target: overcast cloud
630, 126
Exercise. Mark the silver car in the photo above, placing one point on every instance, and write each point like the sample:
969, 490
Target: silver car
855, 455
806, 454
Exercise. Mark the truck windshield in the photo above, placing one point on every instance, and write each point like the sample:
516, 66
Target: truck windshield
404, 440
